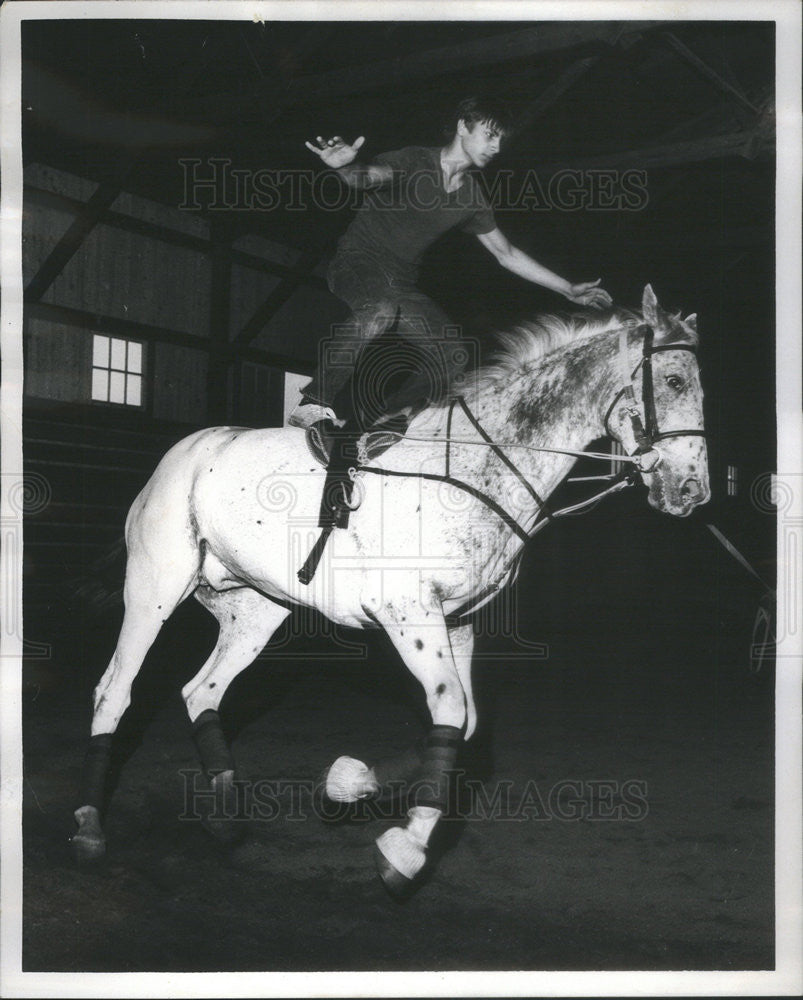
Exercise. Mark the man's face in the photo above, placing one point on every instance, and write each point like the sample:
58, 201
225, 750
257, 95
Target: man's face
480, 141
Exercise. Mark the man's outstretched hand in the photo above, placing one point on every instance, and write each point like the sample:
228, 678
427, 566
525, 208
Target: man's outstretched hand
335, 152
588, 293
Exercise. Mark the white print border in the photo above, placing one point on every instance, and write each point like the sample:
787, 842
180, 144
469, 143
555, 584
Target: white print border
787, 979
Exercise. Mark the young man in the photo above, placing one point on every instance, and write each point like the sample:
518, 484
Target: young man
412, 197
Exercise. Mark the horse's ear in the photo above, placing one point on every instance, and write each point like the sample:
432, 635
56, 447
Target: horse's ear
649, 307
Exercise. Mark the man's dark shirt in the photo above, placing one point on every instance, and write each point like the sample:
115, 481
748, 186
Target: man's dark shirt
398, 221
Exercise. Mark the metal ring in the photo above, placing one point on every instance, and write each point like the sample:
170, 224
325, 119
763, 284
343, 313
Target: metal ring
352, 504
642, 467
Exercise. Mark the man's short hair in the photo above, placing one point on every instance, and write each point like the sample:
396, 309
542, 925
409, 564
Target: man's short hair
490, 111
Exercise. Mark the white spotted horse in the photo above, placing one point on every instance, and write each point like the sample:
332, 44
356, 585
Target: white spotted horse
441, 517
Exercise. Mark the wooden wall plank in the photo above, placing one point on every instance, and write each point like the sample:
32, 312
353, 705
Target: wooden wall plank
58, 362
179, 384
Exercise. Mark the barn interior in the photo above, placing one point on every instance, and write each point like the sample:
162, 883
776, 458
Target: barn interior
171, 207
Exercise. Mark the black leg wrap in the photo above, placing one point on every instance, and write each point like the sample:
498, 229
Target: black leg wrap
401, 768
440, 755
211, 743
96, 771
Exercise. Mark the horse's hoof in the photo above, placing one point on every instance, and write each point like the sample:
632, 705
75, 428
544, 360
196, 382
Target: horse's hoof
398, 886
86, 847
225, 819
349, 780
88, 843
399, 859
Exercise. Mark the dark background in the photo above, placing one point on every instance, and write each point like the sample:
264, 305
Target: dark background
645, 623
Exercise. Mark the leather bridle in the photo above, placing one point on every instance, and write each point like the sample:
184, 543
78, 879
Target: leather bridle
646, 432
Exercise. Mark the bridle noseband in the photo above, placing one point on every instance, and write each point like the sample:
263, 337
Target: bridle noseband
645, 433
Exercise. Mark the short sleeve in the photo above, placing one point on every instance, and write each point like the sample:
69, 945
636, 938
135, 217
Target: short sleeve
482, 220
401, 161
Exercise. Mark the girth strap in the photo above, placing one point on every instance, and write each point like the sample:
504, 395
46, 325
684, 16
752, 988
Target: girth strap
307, 571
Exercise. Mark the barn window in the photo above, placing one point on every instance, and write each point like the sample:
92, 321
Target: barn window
116, 370
733, 480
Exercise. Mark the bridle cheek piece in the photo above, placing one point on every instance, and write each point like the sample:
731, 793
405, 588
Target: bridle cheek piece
645, 433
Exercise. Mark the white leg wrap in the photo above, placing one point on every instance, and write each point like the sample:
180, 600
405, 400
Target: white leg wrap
403, 852
348, 780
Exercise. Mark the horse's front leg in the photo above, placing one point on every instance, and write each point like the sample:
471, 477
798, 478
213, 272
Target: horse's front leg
349, 780
426, 650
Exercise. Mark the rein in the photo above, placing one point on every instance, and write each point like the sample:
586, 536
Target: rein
645, 437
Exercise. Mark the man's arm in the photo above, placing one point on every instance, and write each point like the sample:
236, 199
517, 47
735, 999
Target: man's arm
340, 156
584, 293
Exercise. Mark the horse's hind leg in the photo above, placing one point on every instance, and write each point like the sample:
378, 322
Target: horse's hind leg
153, 589
247, 622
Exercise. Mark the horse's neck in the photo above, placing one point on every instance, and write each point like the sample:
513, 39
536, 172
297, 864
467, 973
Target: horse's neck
556, 403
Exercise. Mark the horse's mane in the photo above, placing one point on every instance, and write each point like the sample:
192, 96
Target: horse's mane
532, 340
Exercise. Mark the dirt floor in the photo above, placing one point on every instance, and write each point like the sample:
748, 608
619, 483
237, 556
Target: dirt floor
666, 865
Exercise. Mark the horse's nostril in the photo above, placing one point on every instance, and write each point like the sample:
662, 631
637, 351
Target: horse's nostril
692, 489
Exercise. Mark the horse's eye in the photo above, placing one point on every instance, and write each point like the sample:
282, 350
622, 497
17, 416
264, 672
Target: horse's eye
675, 382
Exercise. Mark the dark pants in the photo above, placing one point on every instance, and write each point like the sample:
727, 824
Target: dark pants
397, 351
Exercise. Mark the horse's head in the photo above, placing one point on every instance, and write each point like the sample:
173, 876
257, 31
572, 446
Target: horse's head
661, 416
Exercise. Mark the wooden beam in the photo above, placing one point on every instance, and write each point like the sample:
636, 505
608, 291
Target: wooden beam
277, 298
714, 120
98, 203
69, 243
702, 67
692, 151
172, 237
550, 96
488, 51
112, 325
271, 267
217, 371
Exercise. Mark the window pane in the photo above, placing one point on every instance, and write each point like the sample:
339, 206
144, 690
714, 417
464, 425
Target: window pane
118, 354
133, 390
134, 357
100, 351
100, 383
117, 387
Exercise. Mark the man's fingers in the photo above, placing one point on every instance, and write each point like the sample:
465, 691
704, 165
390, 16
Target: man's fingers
334, 142
588, 294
